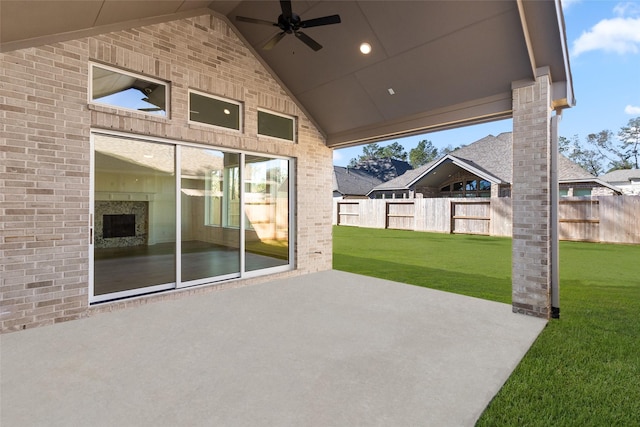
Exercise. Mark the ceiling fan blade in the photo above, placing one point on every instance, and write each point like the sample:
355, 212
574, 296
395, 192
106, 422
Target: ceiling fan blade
255, 21
274, 41
287, 11
316, 22
308, 41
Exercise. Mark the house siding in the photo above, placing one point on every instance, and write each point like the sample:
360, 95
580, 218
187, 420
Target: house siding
45, 154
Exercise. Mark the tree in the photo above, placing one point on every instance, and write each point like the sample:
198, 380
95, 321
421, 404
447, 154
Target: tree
375, 151
602, 147
609, 149
629, 135
394, 151
588, 159
424, 153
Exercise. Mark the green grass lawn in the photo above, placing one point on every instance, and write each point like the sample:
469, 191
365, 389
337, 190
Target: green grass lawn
583, 370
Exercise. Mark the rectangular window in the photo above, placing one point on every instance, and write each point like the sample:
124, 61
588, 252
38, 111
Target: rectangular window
581, 192
121, 89
276, 125
214, 111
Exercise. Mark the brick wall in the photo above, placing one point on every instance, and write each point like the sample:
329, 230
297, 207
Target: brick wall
45, 153
531, 198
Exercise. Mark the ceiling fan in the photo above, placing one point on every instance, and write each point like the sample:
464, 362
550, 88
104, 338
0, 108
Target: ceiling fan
290, 23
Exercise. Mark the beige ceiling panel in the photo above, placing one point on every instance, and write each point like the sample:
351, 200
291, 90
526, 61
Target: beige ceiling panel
304, 69
463, 71
340, 105
121, 11
404, 25
547, 44
20, 20
193, 4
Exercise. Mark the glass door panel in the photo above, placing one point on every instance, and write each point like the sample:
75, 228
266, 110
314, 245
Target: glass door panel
266, 208
210, 235
134, 217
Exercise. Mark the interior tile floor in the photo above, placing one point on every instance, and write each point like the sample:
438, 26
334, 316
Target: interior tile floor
126, 268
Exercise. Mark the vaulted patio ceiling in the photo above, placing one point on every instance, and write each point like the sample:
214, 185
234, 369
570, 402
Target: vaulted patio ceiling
448, 63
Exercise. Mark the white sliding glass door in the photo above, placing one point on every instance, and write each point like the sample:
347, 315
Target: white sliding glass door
167, 215
134, 227
209, 245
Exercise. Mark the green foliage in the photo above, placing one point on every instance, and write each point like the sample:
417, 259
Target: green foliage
602, 147
589, 159
375, 151
629, 135
424, 153
583, 369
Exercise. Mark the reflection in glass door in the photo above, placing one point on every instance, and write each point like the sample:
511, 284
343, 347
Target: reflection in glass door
134, 217
266, 207
170, 215
210, 202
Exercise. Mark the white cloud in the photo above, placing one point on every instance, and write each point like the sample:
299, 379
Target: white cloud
566, 4
618, 35
337, 156
633, 110
627, 9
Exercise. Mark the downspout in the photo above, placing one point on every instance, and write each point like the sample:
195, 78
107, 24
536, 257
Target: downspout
555, 192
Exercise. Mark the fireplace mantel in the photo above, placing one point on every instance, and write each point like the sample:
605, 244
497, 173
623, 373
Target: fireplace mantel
124, 197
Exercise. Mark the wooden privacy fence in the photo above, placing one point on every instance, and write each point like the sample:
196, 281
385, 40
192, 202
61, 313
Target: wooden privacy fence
611, 219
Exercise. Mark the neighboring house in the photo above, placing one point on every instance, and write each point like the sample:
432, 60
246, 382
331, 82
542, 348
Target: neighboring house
384, 169
483, 169
627, 180
358, 180
349, 183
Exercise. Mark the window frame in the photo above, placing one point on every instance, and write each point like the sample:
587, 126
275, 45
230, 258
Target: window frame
166, 84
294, 125
218, 98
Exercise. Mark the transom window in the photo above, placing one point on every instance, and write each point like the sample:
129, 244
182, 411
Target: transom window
276, 125
215, 111
121, 89
467, 188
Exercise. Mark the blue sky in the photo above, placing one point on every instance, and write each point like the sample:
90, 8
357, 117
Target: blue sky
604, 50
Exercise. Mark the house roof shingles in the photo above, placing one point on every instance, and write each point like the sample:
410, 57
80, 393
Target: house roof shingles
622, 175
353, 182
492, 155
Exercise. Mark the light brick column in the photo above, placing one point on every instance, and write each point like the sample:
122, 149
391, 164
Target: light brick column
531, 197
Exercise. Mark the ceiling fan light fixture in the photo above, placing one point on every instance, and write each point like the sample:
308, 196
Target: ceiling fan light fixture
365, 48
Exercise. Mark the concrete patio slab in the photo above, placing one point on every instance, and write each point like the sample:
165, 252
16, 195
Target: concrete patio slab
324, 349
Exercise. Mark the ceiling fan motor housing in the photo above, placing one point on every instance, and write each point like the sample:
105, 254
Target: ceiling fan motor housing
289, 25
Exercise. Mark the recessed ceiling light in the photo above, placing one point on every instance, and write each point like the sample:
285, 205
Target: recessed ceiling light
365, 48
391, 91
227, 112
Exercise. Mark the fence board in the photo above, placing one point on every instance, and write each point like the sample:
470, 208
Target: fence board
400, 215
612, 219
349, 213
471, 217
579, 219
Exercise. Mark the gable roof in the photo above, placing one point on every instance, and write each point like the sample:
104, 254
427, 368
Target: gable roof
490, 158
622, 175
353, 182
384, 168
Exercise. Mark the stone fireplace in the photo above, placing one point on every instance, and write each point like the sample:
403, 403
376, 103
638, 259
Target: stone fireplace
121, 224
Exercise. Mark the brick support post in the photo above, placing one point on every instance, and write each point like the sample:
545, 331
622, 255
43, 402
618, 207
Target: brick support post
531, 197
